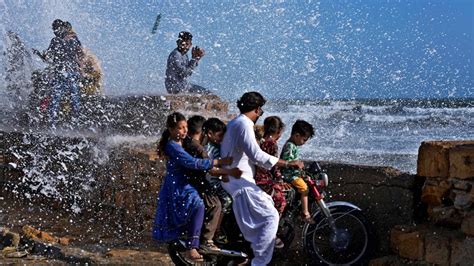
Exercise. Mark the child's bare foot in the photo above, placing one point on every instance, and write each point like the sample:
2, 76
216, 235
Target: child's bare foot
193, 256
306, 218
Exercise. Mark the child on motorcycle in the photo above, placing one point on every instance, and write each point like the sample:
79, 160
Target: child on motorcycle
271, 181
300, 133
200, 181
214, 130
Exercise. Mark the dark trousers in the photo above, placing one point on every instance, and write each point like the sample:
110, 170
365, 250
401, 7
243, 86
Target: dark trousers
194, 228
213, 210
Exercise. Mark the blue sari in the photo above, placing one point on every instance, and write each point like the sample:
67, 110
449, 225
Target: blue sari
177, 200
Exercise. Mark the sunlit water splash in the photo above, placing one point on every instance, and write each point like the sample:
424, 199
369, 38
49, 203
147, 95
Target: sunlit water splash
312, 57
376, 132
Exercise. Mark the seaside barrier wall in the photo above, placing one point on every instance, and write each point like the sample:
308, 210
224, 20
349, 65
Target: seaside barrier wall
122, 184
446, 236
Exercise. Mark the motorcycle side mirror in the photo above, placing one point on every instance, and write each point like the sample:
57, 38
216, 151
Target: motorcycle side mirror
313, 168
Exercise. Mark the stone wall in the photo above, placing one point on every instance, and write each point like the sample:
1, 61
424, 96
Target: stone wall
446, 237
124, 180
387, 196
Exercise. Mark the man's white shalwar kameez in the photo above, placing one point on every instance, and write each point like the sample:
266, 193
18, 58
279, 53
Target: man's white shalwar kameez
253, 208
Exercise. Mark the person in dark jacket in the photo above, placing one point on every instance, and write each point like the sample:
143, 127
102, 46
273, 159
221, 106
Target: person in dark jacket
179, 67
65, 54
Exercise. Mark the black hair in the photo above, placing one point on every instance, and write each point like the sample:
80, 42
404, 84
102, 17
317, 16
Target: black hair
250, 101
195, 124
57, 23
272, 125
184, 36
171, 121
214, 124
303, 128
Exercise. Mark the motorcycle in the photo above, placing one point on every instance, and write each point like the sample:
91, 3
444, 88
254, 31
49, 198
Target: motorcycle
341, 234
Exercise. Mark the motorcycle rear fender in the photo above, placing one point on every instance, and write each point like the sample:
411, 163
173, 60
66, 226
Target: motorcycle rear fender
334, 204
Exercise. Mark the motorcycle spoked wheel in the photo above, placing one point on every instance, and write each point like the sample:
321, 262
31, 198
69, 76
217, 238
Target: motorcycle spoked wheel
350, 244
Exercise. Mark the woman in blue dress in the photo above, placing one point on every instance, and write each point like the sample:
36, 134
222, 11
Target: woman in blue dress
180, 210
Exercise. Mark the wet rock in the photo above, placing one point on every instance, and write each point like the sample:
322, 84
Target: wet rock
410, 244
65, 240
9, 238
467, 225
16, 254
464, 185
448, 216
77, 255
434, 191
462, 251
35, 234
462, 200
433, 159
446, 159
461, 161
437, 249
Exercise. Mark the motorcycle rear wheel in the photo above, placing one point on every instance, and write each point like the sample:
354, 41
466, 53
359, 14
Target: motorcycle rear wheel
350, 244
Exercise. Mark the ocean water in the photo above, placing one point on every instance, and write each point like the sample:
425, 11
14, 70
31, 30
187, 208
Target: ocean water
375, 132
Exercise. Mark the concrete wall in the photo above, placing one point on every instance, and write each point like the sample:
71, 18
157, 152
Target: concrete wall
121, 182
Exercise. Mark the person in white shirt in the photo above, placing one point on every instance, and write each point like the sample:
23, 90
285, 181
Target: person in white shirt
253, 208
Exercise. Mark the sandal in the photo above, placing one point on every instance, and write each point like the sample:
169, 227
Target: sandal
193, 256
208, 247
306, 218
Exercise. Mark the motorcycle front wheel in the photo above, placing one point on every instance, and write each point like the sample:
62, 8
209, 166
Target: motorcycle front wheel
350, 243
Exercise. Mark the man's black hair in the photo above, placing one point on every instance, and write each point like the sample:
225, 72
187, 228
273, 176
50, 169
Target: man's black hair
185, 36
213, 124
250, 101
195, 124
57, 23
303, 128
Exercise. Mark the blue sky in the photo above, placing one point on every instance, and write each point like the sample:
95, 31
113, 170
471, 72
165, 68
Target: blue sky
297, 49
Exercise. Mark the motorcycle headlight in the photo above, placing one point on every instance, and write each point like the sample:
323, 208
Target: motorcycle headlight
323, 177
